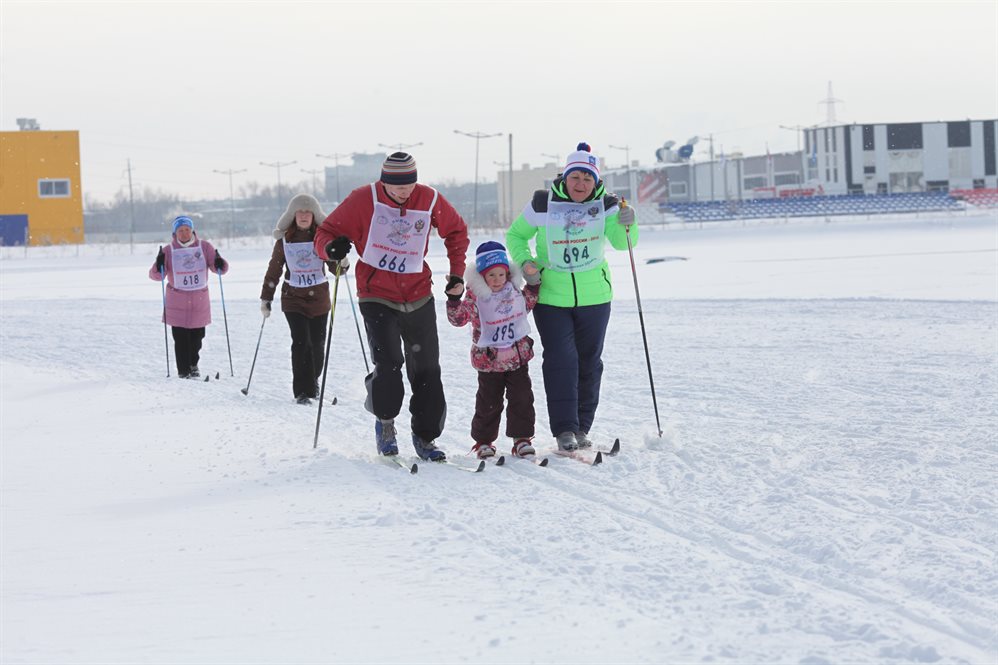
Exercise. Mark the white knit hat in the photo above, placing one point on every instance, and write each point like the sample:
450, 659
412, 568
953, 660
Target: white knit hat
582, 160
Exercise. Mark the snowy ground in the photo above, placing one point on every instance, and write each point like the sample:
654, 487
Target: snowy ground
820, 494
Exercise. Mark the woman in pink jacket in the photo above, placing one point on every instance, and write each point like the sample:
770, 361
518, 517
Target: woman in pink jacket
185, 263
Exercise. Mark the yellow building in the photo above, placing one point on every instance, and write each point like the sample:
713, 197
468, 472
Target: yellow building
41, 198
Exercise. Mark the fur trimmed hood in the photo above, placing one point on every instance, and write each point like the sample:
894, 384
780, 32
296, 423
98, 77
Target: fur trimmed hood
475, 283
298, 202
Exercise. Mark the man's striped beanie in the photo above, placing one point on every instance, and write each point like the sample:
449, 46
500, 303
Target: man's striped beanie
399, 168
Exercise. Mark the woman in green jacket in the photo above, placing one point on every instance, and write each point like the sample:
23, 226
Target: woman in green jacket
571, 224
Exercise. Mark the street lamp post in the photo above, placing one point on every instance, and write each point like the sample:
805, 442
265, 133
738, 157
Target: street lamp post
336, 161
509, 185
313, 172
478, 136
278, 165
799, 129
400, 146
627, 156
232, 199
710, 138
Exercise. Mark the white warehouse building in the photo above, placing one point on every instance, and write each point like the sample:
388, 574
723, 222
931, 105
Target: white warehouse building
902, 157
887, 158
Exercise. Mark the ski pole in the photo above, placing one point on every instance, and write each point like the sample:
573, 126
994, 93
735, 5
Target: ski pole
245, 390
225, 318
325, 362
166, 344
641, 318
363, 352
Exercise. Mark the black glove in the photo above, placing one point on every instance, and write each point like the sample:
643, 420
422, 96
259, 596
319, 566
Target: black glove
338, 248
160, 260
452, 282
219, 263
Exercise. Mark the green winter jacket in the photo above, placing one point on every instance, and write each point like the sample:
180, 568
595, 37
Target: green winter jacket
567, 289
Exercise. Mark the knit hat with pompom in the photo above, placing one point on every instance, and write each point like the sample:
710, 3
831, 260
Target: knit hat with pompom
582, 160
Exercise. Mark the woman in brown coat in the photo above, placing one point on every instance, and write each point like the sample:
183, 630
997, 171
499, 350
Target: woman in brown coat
304, 294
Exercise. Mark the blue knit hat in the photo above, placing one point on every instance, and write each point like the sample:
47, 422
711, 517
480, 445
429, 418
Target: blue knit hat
183, 220
489, 255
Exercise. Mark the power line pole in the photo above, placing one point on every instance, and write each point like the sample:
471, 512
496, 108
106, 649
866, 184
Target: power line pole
511, 217
506, 200
232, 199
478, 136
830, 102
131, 206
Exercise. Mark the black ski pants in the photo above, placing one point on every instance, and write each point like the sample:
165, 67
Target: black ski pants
408, 338
572, 367
308, 340
187, 349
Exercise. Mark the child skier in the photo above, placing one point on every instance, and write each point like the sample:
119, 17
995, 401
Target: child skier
497, 310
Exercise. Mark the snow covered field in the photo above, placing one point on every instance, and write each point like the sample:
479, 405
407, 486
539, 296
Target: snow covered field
823, 491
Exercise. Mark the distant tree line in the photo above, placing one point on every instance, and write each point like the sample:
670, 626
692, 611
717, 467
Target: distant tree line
148, 214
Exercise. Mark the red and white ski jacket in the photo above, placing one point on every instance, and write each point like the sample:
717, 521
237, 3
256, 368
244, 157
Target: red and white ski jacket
352, 218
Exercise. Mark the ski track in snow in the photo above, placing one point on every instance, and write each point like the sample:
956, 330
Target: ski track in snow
822, 493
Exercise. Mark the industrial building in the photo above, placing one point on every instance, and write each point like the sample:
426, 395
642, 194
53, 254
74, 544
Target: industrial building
41, 199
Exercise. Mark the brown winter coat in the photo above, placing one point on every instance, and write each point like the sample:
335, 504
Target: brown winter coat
310, 301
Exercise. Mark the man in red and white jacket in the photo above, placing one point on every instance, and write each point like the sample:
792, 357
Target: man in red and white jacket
389, 223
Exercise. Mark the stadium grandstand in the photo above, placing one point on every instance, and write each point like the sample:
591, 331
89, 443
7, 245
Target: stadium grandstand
849, 169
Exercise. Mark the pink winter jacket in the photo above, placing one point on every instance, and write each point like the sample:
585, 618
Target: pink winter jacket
462, 312
187, 309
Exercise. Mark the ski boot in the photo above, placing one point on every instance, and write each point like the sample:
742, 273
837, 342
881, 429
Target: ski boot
484, 450
522, 448
384, 434
566, 441
427, 449
583, 440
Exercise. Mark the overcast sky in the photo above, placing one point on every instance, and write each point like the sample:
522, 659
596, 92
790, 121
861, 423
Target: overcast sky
184, 88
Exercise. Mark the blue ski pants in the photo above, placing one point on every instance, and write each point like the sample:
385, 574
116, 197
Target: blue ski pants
572, 365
